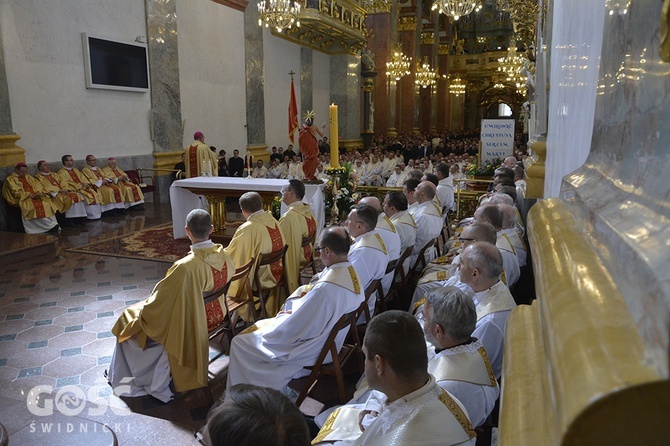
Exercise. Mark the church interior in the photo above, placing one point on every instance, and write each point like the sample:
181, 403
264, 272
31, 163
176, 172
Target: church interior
586, 357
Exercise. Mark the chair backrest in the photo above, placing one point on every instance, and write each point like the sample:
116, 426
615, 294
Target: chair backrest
133, 175
308, 241
346, 322
421, 258
399, 271
268, 259
242, 297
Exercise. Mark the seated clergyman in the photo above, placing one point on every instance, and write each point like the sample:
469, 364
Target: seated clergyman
273, 350
407, 406
166, 334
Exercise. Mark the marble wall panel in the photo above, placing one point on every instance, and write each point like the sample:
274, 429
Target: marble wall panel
345, 91
306, 79
621, 195
162, 38
255, 97
5, 109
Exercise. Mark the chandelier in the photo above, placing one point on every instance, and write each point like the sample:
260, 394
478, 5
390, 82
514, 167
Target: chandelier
513, 67
457, 86
398, 66
279, 14
424, 76
456, 8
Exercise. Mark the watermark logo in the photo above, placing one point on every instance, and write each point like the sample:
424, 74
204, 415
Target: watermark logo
72, 400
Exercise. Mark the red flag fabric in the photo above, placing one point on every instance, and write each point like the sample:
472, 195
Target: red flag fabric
292, 114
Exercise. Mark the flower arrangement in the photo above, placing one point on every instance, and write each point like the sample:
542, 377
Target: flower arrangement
486, 169
340, 190
276, 207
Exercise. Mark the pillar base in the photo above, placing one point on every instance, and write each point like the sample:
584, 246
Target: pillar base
10, 153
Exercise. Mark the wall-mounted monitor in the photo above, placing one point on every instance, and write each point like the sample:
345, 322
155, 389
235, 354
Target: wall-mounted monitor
115, 65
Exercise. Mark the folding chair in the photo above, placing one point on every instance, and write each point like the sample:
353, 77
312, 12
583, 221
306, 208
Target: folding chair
230, 304
308, 241
263, 293
380, 306
420, 262
346, 322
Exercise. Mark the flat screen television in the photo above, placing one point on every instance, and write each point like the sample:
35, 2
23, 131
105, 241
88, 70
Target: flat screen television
115, 65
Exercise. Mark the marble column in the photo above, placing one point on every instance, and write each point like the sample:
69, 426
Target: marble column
10, 153
416, 111
345, 85
166, 122
368, 132
164, 62
255, 88
392, 84
306, 80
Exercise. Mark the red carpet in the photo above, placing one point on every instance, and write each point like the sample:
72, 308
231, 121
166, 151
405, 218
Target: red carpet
155, 243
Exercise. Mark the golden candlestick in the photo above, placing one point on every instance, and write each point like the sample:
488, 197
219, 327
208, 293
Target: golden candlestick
334, 139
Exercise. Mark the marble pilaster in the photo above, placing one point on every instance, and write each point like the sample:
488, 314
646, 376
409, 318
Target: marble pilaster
306, 80
10, 153
5, 111
162, 39
345, 86
255, 83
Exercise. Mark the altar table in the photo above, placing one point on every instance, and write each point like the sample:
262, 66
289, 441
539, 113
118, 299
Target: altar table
210, 193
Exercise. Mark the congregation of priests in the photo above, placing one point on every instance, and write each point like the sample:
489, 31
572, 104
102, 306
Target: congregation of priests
435, 384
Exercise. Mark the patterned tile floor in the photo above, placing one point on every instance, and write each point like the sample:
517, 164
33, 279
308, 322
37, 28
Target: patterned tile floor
55, 320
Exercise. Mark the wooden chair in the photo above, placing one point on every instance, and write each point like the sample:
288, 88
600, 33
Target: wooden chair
263, 293
382, 299
372, 288
445, 235
308, 241
346, 322
399, 288
231, 304
420, 262
138, 177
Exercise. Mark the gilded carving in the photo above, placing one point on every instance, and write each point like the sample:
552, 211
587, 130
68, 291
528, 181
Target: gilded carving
665, 31
407, 24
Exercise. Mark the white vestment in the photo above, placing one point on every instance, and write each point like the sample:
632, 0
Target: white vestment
406, 227
509, 258
518, 245
396, 179
493, 307
465, 372
369, 257
427, 416
389, 234
445, 192
273, 350
428, 226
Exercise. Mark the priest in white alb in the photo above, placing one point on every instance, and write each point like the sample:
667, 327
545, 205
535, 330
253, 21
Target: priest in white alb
274, 350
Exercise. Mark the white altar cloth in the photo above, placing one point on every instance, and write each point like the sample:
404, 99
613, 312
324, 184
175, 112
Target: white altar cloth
184, 201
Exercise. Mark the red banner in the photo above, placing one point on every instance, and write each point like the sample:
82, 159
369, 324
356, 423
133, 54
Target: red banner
292, 114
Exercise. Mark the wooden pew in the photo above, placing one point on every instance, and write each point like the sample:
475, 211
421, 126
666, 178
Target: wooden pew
575, 370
